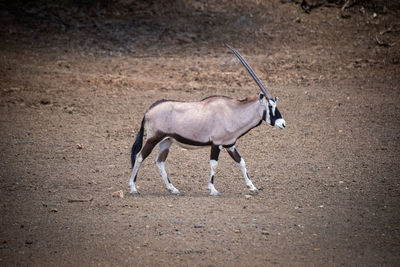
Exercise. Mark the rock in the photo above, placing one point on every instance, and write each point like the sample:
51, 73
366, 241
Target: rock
119, 194
264, 233
198, 226
247, 196
45, 101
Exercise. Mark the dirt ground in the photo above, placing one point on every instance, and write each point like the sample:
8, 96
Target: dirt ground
75, 82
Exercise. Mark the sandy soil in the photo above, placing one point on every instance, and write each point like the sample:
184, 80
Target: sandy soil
75, 83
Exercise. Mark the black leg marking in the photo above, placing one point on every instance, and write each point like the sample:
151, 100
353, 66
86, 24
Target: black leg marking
163, 156
234, 154
148, 147
214, 152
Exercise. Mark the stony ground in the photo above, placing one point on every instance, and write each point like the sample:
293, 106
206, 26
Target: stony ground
76, 81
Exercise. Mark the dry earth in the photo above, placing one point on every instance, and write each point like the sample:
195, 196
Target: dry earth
75, 82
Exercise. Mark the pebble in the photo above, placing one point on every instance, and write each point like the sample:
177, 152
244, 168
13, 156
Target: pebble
119, 194
265, 233
44, 101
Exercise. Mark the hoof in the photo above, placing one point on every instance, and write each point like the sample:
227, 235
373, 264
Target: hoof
254, 191
174, 191
215, 193
135, 193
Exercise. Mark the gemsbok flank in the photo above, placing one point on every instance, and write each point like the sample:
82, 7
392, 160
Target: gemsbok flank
216, 121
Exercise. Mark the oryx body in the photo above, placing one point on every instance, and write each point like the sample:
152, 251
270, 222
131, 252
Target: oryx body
216, 121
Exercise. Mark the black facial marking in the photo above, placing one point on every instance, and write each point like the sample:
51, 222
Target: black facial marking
274, 117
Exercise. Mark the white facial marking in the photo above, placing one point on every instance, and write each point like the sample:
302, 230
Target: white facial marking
273, 105
268, 118
280, 123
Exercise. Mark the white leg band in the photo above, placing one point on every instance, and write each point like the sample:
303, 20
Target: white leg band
249, 184
213, 167
135, 170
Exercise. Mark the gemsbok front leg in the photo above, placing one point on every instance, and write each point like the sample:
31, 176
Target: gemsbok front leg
160, 162
213, 167
239, 160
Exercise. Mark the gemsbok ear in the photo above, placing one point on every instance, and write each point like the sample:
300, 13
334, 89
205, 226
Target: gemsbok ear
260, 96
276, 99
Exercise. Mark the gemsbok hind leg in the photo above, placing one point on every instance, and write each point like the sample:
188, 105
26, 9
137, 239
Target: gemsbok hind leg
160, 162
239, 160
213, 167
143, 154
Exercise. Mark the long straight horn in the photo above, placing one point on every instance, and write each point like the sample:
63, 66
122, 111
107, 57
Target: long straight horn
251, 71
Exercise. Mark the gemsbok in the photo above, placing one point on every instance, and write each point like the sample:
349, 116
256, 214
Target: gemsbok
216, 121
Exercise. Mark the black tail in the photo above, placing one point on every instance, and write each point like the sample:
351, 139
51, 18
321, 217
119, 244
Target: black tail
137, 145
